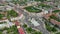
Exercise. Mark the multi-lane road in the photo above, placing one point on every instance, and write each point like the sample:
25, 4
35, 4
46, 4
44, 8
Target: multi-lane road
40, 27
27, 16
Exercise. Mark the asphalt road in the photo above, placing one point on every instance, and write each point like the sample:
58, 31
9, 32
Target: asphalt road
41, 27
27, 16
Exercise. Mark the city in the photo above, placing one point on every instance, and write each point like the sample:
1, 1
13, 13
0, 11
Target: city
29, 16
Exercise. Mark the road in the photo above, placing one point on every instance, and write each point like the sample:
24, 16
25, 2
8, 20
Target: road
41, 28
20, 29
27, 16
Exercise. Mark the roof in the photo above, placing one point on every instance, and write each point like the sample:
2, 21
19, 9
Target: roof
21, 31
34, 22
54, 22
17, 23
46, 16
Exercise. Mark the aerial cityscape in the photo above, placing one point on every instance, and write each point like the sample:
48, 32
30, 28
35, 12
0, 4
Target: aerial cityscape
29, 16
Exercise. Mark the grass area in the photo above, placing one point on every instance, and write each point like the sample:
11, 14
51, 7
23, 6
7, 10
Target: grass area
58, 33
12, 13
10, 30
32, 9
56, 11
55, 18
44, 5
1, 16
0, 32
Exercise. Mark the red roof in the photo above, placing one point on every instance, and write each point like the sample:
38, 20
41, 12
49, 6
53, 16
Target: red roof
21, 31
54, 22
17, 23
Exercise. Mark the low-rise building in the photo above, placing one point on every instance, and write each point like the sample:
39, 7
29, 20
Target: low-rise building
34, 22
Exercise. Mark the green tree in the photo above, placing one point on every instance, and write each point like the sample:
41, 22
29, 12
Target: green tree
12, 13
24, 25
1, 15
0, 32
54, 29
29, 30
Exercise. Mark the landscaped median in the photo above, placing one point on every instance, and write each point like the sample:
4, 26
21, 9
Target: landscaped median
56, 11
32, 9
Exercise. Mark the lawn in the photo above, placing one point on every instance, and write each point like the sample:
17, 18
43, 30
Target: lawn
32, 9
0, 32
56, 11
12, 13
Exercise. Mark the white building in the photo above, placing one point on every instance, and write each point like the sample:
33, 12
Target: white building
34, 22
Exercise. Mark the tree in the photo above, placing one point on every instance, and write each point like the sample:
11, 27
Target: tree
12, 13
24, 25
29, 30
0, 32
54, 29
1, 15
